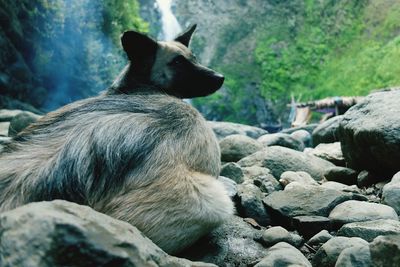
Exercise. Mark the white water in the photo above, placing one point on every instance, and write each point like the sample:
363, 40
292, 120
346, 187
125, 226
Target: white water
170, 25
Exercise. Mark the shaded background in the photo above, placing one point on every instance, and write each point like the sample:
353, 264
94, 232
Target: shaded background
57, 51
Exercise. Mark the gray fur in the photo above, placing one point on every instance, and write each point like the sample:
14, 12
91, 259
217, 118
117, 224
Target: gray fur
144, 157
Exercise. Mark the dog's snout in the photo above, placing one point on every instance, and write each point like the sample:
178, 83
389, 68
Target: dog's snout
219, 78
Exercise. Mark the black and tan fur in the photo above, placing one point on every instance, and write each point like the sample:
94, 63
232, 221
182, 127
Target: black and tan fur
137, 152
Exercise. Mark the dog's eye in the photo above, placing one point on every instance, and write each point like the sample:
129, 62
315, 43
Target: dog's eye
178, 60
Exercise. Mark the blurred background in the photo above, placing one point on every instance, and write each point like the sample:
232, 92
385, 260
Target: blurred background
273, 53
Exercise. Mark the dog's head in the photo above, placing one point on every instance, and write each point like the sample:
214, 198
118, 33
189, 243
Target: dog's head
170, 66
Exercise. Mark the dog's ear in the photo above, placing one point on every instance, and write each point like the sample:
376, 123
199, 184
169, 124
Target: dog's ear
184, 38
138, 46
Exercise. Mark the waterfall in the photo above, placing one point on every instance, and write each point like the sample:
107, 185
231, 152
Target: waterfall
170, 25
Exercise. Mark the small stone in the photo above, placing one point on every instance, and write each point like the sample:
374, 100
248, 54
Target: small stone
308, 226
330, 152
236, 147
281, 139
250, 203
223, 129
391, 193
278, 234
358, 256
366, 178
262, 178
320, 238
4, 128
233, 171
303, 136
283, 254
329, 252
370, 229
342, 175
301, 177
385, 251
359, 211
341, 187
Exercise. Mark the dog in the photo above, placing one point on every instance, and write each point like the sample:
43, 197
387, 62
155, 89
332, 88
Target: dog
137, 152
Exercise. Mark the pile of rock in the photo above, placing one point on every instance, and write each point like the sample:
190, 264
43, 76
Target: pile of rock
335, 204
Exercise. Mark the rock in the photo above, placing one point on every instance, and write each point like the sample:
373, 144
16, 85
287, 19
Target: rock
8, 114
329, 252
320, 238
359, 211
4, 128
309, 128
278, 234
250, 203
308, 226
280, 159
385, 251
358, 256
368, 230
300, 177
230, 185
281, 139
262, 178
366, 178
233, 171
326, 132
341, 187
21, 121
298, 201
224, 129
341, 175
283, 254
391, 193
303, 136
236, 147
232, 244
370, 133
330, 152
60, 233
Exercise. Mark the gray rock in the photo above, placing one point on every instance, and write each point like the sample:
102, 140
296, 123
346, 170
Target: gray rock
320, 238
331, 152
233, 171
283, 254
232, 244
281, 139
250, 203
278, 234
230, 185
326, 132
4, 128
224, 129
341, 187
21, 121
236, 147
300, 177
357, 256
8, 114
60, 233
385, 251
309, 128
280, 159
368, 230
298, 201
329, 252
359, 211
366, 178
391, 193
341, 175
262, 178
308, 226
370, 133
303, 136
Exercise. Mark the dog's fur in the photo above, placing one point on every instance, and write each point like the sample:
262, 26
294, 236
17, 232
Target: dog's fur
137, 153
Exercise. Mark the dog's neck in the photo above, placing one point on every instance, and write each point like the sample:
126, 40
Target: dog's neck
129, 81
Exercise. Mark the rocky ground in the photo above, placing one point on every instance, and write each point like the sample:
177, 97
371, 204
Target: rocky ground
326, 195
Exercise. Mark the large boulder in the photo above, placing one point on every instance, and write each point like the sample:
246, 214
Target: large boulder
385, 251
60, 233
370, 133
391, 193
236, 147
326, 132
224, 129
368, 230
280, 159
